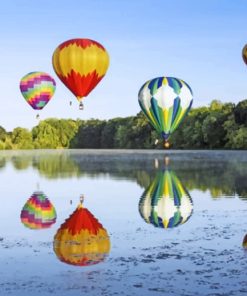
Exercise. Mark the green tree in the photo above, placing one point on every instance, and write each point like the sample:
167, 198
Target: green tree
240, 113
140, 133
221, 125
7, 144
66, 130
109, 131
45, 136
3, 134
190, 133
214, 132
22, 138
121, 137
89, 134
236, 136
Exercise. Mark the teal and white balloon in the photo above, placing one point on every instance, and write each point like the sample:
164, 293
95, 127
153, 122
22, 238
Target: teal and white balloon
166, 203
165, 101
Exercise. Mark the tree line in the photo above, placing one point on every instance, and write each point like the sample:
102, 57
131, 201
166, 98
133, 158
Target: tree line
218, 126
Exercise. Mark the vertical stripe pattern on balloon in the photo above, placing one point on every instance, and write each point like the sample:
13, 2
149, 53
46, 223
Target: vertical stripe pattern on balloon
165, 101
166, 203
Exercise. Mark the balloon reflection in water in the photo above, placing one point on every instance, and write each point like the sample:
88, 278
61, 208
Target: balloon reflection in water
244, 243
81, 240
38, 212
166, 203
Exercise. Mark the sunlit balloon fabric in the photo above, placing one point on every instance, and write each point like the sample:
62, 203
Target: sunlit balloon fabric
165, 101
166, 203
38, 212
81, 239
244, 54
37, 88
80, 64
244, 243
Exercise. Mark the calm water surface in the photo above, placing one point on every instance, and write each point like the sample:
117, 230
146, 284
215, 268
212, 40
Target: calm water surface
175, 222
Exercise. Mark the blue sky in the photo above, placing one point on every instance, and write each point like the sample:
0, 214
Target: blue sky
197, 41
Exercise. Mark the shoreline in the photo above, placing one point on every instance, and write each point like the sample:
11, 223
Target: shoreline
132, 153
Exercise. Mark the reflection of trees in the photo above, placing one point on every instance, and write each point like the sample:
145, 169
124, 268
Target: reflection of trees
221, 176
50, 165
2, 162
21, 162
56, 166
221, 179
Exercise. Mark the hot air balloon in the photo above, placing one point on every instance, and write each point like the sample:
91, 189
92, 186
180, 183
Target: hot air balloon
37, 88
166, 203
165, 101
80, 64
38, 212
81, 240
244, 54
244, 243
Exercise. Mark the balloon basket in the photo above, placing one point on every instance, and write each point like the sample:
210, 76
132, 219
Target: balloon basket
166, 145
81, 106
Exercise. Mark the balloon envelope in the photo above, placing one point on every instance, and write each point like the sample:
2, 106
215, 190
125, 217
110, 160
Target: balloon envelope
166, 203
81, 240
244, 243
165, 101
38, 212
37, 89
244, 54
80, 64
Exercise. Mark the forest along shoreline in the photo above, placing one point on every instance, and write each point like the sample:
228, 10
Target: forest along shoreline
219, 126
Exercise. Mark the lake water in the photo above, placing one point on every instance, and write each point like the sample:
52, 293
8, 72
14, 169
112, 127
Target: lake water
173, 223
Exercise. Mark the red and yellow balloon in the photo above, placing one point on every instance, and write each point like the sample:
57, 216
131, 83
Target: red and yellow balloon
80, 64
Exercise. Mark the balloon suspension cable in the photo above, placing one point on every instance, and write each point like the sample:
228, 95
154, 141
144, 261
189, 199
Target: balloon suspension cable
81, 106
81, 199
